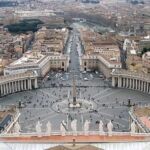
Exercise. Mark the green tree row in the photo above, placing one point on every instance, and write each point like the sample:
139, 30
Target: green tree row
145, 50
24, 26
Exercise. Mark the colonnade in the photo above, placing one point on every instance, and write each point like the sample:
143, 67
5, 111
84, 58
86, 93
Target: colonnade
12, 84
131, 82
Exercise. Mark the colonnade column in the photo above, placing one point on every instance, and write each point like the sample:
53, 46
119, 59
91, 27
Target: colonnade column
144, 87
136, 84
25, 85
130, 83
4, 89
124, 82
133, 84
1, 90
141, 85
113, 81
7, 88
119, 82
35, 83
18, 83
15, 86
21, 82
29, 84
147, 87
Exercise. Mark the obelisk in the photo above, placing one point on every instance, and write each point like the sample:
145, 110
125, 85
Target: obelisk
74, 92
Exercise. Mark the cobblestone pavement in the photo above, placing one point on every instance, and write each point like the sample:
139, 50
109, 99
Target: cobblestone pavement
111, 103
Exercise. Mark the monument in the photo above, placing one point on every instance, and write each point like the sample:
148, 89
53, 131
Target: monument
74, 104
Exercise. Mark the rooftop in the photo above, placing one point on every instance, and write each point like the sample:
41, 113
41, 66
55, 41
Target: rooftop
28, 57
143, 113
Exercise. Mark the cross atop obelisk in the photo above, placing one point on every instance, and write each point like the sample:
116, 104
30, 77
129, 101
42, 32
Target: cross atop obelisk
74, 91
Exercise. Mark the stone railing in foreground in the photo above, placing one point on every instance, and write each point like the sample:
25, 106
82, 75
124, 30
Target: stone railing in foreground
18, 82
90, 136
132, 80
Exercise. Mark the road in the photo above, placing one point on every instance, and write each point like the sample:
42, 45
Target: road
74, 65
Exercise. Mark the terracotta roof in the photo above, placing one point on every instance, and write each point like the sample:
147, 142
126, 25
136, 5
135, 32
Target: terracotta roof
145, 120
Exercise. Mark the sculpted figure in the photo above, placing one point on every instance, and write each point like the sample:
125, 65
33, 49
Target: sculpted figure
63, 128
49, 127
133, 127
110, 127
86, 127
17, 128
38, 127
101, 129
74, 126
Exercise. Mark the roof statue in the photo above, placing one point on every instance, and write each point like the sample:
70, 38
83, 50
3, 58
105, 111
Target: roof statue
17, 128
133, 127
86, 127
38, 127
101, 129
74, 126
110, 128
63, 128
49, 128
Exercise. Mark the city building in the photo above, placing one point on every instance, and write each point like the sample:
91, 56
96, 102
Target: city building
9, 115
33, 13
30, 61
99, 62
51, 40
35, 61
100, 53
140, 115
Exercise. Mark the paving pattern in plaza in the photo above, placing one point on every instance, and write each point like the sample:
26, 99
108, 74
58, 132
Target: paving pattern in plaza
111, 104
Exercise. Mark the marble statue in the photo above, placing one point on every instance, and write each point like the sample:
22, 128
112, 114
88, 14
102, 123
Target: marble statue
86, 127
49, 127
17, 128
110, 128
38, 127
74, 126
63, 128
133, 127
101, 128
